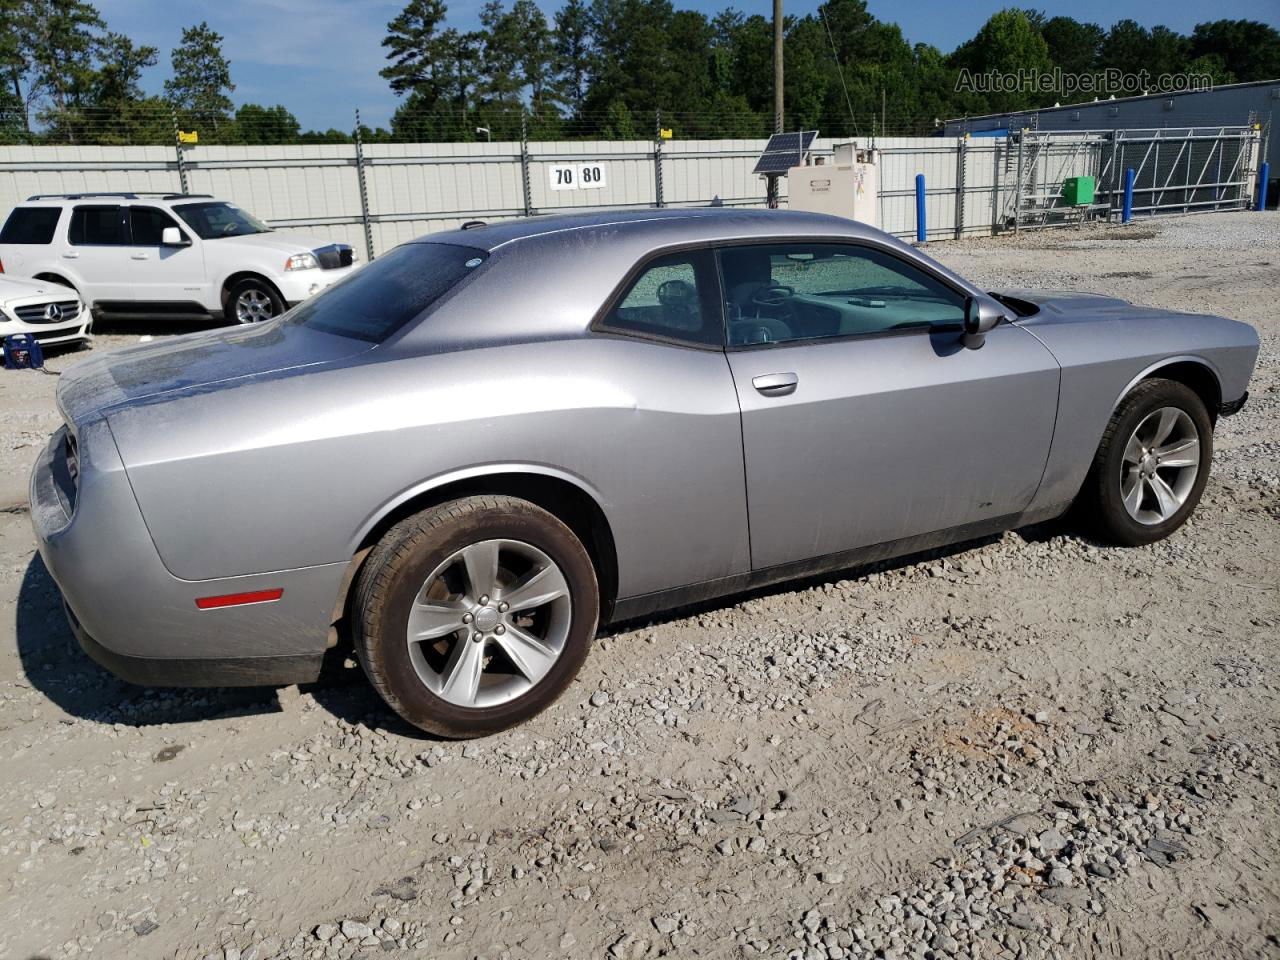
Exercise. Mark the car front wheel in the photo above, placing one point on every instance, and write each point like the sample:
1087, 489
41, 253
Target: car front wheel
253, 301
1152, 464
475, 615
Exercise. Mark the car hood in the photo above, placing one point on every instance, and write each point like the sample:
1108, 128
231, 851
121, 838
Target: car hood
11, 288
278, 241
1069, 306
197, 362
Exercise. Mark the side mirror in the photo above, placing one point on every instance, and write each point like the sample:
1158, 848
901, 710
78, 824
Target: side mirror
172, 237
980, 315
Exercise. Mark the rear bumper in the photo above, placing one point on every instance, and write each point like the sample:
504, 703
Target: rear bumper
1227, 409
141, 622
199, 671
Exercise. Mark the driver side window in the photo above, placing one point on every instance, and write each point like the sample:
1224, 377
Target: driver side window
673, 298
779, 293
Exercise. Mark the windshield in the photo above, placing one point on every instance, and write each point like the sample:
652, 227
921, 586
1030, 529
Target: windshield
382, 296
217, 219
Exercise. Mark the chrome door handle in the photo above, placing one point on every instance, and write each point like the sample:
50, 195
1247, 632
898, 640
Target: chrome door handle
776, 384
138, 256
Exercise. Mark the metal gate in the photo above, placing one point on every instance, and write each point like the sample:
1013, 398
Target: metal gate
1188, 170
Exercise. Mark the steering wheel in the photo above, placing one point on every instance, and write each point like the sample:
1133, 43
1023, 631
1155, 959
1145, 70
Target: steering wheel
772, 295
675, 293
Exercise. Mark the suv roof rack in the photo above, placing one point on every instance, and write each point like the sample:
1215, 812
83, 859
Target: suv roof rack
134, 195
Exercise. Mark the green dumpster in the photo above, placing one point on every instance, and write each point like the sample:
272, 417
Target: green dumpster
1077, 191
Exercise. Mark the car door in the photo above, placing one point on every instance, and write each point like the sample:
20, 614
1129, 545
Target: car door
98, 252
864, 418
159, 273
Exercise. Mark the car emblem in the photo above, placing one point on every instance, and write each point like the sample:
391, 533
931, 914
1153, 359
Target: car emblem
53, 313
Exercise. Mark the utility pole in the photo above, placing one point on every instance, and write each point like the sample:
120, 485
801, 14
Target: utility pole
771, 179
777, 66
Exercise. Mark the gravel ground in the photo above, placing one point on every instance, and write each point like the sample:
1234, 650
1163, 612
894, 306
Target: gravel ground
1032, 746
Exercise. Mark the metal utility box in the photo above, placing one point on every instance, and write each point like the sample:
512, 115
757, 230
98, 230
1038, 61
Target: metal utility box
844, 186
1077, 191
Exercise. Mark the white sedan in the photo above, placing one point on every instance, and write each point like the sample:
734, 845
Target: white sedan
52, 313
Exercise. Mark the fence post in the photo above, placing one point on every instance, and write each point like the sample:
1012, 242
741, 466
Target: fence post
525, 185
1017, 189
364, 192
177, 149
1127, 211
657, 159
1115, 174
1263, 175
960, 157
921, 231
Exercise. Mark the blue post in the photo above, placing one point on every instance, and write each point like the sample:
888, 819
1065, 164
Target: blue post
1263, 176
1126, 213
920, 225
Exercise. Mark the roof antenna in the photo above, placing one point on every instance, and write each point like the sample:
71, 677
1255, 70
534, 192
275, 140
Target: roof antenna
836, 57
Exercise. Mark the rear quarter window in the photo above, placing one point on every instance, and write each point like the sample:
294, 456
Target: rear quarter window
382, 296
31, 225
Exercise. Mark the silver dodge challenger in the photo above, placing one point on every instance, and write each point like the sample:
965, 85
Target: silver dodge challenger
474, 451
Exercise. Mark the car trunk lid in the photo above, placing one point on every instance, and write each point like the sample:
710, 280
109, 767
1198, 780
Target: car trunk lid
180, 365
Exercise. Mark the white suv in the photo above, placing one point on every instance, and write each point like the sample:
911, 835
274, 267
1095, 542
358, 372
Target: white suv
139, 255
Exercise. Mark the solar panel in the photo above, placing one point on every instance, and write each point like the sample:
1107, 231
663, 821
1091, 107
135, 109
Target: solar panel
784, 151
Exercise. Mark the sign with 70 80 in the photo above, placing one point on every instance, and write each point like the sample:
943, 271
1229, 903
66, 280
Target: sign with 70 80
577, 176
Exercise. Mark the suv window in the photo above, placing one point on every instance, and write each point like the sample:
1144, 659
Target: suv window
146, 224
30, 225
674, 298
384, 295
214, 219
803, 291
100, 225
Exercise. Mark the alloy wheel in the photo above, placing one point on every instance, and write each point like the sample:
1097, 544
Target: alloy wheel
1160, 465
489, 623
254, 306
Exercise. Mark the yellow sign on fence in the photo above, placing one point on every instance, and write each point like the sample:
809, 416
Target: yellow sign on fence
192, 137
665, 133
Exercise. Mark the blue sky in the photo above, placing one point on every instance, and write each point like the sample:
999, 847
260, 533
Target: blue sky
320, 58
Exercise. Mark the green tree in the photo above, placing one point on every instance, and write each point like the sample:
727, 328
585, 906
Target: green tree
119, 75
117, 111
1249, 49
14, 122
412, 42
258, 124
61, 40
1007, 44
1073, 45
1125, 47
572, 45
201, 77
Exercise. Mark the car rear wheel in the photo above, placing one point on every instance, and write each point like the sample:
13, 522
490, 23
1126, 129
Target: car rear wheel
475, 615
1152, 464
253, 301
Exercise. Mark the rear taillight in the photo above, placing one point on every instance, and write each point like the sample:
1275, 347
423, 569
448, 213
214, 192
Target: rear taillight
1, 266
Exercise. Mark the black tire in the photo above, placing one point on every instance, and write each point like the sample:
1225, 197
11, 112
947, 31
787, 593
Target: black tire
396, 571
259, 290
1100, 503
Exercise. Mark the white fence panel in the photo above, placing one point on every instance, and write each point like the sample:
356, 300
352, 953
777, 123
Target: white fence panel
411, 189
25, 171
